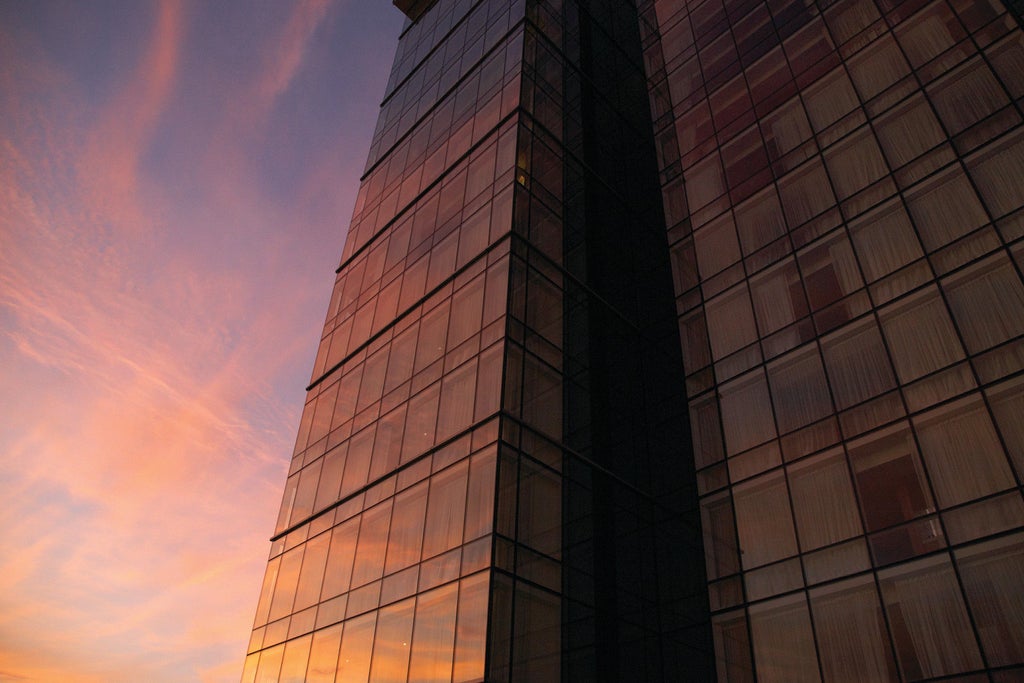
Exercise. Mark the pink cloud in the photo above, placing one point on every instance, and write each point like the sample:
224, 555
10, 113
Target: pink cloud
108, 167
148, 441
285, 58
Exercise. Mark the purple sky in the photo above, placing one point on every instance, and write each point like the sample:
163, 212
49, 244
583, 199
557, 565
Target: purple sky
175, 182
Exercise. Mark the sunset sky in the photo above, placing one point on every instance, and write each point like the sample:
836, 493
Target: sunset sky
175, 182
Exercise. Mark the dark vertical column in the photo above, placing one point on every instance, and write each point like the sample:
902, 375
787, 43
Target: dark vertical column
590, 257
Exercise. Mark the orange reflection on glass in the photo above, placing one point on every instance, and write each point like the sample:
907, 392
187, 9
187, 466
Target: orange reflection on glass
356, 645
471, 636
323, 656
391, 644
434, 638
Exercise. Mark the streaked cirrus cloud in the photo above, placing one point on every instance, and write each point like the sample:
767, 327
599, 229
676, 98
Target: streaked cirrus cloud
175, 181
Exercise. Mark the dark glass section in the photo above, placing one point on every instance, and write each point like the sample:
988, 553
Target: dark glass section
600, 411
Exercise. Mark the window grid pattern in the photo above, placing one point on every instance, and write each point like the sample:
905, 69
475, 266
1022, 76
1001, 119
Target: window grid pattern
842, 186
380, 568
487, 94
475, 37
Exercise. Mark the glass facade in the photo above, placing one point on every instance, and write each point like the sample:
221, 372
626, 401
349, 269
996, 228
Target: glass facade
844, 193
672, 340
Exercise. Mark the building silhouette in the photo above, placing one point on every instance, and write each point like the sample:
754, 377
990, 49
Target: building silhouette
673, 340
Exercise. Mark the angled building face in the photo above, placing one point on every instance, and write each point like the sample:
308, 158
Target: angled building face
844, 185
672, 340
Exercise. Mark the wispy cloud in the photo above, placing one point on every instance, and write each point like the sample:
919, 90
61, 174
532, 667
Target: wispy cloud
284, 59
108, 168
148, 319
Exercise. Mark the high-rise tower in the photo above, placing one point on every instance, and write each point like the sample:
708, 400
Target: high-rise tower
585, 226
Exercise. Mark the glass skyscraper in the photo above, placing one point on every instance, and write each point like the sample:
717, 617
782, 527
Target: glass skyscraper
673, 340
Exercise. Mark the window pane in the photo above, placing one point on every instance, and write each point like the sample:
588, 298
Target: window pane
829, 99
929, 33
357, 465
446, 510
716, 246
480, 499
400, 361
930, 627
434, 636
830, 273
962, 452
945, 208
732, 648
885, 241
287, 579
267, 592
338, 574
967, 95
998, 171
544, 307
391, 643
783, 644
322, 415
805, 193
457, 399
785, 128
323, 656
296, 656
537, 644
471, 634
877, 66
855, 163
778, 297
542, 396
707, 431
730, 321
305, 493
704, 181
406, 536
908, 131
466, 312
270, 665
920, 334
430, 344
994, 584
823, 502
889, 478
373, 540
799, 390
718, 525
764, 520
356, 646
759, 220
746, 412
987, 301
421, 422
330, 477
851, 632
372, 385
540, 508
488, 382
345, 406
387, 445
857, 363
312, 574
1007, 401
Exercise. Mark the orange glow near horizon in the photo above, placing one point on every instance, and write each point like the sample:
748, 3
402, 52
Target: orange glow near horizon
175, 181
